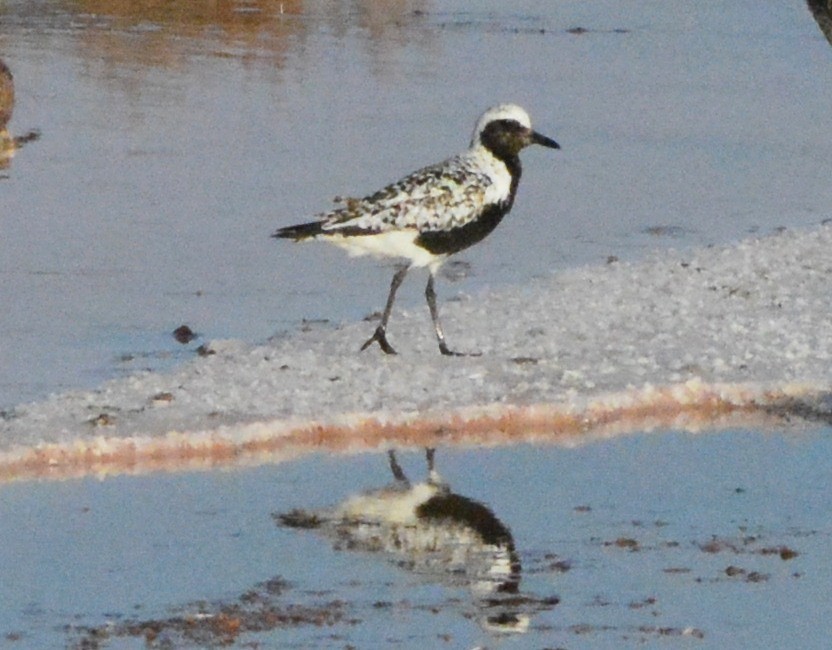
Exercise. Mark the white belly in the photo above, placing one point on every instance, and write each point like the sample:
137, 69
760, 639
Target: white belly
396, 243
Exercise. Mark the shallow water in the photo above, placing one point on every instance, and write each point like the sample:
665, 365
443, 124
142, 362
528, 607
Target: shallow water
707, 540
175, 141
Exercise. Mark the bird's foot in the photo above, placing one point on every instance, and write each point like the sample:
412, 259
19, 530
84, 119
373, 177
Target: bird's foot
380, 337
443, 348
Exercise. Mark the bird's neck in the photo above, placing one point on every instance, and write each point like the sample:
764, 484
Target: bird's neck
512, 165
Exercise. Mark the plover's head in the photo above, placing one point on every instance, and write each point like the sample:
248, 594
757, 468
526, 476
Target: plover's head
506, 129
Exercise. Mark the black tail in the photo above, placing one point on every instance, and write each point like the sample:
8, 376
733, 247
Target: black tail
299, 231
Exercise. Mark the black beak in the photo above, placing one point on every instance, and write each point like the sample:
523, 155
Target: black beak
538, 138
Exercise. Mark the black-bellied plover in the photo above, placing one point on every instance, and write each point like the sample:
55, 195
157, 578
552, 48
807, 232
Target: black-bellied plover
434, 212
8, 143
6, 98
822, 11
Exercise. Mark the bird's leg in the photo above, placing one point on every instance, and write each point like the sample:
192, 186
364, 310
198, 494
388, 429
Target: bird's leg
430, 294
380, 335
433, 476
398, 473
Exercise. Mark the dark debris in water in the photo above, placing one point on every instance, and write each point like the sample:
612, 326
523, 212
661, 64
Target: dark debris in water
269, 606
627, 543
747, 544
640, 634
310, 324
750, 545
184, 334
209, 625
524, 24
297, 519
665, 230
743, 544
580, 31
748, 576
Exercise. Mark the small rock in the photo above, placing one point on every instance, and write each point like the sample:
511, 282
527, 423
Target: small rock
184, 334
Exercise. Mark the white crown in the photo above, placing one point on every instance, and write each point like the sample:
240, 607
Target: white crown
501, 112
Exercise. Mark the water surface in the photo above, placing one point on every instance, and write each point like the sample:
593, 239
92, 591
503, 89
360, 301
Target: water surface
671, 539
176, 138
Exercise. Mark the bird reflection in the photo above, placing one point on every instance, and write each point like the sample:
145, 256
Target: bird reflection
822, 11
433, 532
8, 143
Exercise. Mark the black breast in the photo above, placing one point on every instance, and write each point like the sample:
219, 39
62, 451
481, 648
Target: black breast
447, 242
453, 240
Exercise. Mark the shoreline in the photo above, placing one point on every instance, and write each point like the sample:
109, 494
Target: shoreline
698, 334
692, 407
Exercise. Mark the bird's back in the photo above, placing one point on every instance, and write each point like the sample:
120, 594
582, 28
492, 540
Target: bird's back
441, 197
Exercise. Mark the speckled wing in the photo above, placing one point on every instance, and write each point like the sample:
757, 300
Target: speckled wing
441, 197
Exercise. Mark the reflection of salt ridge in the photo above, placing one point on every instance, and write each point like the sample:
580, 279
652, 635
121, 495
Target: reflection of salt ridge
705, 327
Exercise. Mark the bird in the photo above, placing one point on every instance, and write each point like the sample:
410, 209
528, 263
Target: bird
9, 144
6, 98
822, 11
433, 212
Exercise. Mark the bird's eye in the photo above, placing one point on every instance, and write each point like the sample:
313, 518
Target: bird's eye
511, 126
